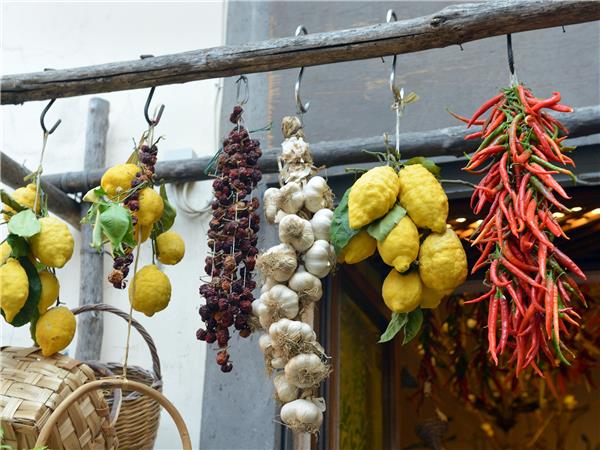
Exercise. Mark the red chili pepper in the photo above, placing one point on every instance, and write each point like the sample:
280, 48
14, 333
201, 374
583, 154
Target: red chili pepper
516, 298
483, 297
494, 275
495, 124
547, 102
483, 257
541, 256
519, 273
524, 101
529, 219
555, 313
464, 119
555, 148
483, 108
548, 305
562, 108
521, 264
554, 121
568, 263
521, 197
539, 186
512, 135
504, 325
549, 181
563, 292
492, 319
475, 135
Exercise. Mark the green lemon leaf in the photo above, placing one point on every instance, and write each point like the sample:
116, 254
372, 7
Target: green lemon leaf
19, 246
413, 325
427, 163
382, 227
29, 311
115, 222
397, 322
97, 233
24, 224
340, 231
169, 213
9, 201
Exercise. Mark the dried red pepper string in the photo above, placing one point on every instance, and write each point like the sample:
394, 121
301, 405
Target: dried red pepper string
530, 286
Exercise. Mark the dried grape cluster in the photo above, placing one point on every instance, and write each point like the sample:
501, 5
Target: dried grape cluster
232, 239
146, 162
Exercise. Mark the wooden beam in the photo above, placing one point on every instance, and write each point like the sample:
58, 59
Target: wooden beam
443, 142
91, 273
452, 25
13, 173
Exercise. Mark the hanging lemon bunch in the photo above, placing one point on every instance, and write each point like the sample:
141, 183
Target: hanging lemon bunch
36, 245
400, 211
127, 211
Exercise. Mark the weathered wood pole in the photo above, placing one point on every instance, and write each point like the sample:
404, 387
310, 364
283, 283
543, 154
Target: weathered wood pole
91, 325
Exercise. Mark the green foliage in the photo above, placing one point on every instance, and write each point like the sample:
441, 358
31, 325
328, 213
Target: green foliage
382, 227
410, 323
24, 224
19, 246
340, 231
427, 163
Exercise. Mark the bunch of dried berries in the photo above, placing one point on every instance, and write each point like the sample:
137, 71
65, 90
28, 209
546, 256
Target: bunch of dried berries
146, 162
232, 239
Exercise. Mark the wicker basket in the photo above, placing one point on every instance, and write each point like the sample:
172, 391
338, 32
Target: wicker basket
117, 384
33, 386
138, 419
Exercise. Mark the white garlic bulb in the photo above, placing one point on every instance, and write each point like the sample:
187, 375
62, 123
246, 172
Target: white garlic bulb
317, 194
321, 223
302, 415
271, 203
297, 232
306, 285
306, 370
279, 262
284, 391
292, 198
320, 258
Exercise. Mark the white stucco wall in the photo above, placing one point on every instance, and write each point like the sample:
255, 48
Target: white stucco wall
62, 35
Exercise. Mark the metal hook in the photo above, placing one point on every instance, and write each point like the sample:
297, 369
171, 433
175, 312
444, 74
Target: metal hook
511, 59
301, 108
152, 122
397, 93
43, 118
242, 100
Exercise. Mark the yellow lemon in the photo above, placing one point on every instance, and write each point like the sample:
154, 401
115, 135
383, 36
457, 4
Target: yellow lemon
54, 330
401, 246
372, 196
150, 290
151, 207
50, 289
170, 246
53, 245
14, 290
442, 261
430, 298
117, 179
25, 196
5, 251
145, 232
423, 198
360, 247
402, 293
